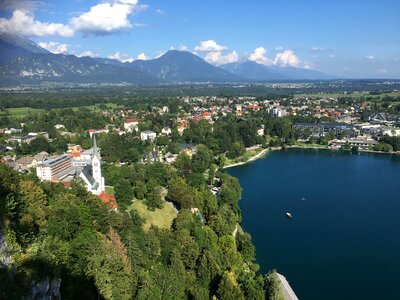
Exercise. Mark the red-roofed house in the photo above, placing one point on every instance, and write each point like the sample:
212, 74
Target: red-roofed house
131, 124
206, 115
94, 131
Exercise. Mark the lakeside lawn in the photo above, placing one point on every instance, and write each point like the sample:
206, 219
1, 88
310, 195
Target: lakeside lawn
305, 145
245, 157
161, 218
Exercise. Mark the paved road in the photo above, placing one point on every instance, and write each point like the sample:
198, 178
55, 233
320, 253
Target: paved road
287, 290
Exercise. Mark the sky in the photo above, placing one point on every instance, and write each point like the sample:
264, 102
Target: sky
353, 38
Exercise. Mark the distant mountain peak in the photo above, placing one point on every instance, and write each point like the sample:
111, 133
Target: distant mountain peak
180, 66
259, 72
21, 43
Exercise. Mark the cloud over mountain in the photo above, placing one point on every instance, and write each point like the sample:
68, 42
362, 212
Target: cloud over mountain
285, 58
54, 47
23, 23
216, 54
209, 45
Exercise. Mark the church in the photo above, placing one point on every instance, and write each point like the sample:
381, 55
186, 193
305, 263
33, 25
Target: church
64, 168
91, 173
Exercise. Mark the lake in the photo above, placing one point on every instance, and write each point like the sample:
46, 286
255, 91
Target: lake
343, 241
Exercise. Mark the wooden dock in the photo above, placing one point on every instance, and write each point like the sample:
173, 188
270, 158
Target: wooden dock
286, 288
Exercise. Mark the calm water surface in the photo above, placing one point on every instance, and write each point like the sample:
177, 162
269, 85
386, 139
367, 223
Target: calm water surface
344, 239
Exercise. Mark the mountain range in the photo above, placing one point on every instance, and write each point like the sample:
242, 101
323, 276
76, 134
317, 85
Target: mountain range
24, 62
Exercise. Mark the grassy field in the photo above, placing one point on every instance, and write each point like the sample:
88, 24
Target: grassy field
109, 190
249, 154
22, 111
97, 106
161, 218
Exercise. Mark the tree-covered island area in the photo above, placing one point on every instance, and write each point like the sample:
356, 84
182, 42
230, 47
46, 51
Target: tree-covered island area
166, 224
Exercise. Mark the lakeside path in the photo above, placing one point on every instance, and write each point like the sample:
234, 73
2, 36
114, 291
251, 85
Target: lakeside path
253, 158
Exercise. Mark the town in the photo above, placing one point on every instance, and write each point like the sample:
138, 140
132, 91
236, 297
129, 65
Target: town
156, 166
161, 134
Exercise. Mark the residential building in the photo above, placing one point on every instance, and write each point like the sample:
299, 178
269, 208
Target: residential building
131, 124
151, 156
148, 135
260, 131
166, 131
170, 158
92, 132
26, 162
41, 157
188, 149
363, 144
384, 119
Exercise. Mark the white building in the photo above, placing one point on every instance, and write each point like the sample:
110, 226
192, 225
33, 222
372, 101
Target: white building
92, 132
147, 134
279, 111
54, 168
91, 173
166, 131
131, 124
63, 169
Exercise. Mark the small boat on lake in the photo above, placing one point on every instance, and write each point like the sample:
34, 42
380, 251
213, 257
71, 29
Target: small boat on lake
289, 215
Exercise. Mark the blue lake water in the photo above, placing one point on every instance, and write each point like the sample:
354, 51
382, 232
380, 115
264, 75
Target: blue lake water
344, 239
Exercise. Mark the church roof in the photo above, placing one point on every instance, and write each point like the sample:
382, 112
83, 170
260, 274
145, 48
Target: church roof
87, 172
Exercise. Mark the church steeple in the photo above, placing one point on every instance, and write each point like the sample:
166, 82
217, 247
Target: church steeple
95, 151
96, 168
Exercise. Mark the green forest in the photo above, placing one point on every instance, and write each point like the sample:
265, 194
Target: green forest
68, 235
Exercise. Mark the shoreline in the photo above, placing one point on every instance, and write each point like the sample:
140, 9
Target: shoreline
332, 149
317, 147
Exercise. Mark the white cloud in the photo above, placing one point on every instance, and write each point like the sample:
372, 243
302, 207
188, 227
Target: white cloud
382, 71
209, 45
183, 48
121, 57
259, 56
142, 56
24, 23
279, 48
180, 48
88, 53
217, 58
127, 58
287, 58
107, 17
54, 47
331, 56
370, 57
160, 11
318, 49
